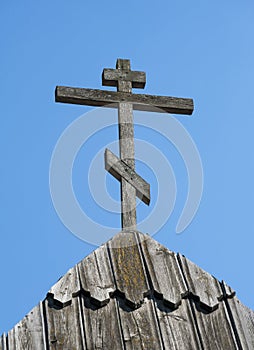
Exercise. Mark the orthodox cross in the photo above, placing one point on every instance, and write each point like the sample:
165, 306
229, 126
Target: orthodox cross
123, 169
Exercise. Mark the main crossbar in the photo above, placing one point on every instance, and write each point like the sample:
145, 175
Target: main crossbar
142, 102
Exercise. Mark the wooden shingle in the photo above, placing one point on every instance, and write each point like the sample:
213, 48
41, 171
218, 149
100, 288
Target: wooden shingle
133, 293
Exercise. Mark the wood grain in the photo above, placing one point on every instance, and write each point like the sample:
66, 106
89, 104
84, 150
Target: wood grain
3, 342
201, 284
29, 333
119, 169
127, 265
102, 327
164, 272
110, 77
244, 322
140, 327
142, 102
66, 287
127, 154
215, 328
65, 326
178, 327
96, 276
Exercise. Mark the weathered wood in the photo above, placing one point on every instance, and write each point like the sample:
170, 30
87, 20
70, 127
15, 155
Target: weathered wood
28, 334
141, 320
243, 319
128, 268
203, 286
122, 74
126, 147
3, 342
124, 79
141, 102
228, 291
140, 327
177, 327
164, 271
102, 326
119, 169
66, 287
110, 77
96, 276
215, 328
65, 326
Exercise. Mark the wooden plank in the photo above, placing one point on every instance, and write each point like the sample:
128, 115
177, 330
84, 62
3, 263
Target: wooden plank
164, 271
119, 169
177, 326
228, 291
215, 328
143, 102
65, 326
126, 150
243, 319
11, 340
110, 77
3, 342
67, 287
128, 268
203, 286
140, 327
126, 146
29, 333
96, 276
102, 326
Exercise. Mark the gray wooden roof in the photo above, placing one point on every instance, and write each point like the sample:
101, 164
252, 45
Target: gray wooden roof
133, 293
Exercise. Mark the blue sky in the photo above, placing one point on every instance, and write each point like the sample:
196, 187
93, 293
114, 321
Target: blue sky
197, 49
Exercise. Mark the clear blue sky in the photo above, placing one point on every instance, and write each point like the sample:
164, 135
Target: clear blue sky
197, 49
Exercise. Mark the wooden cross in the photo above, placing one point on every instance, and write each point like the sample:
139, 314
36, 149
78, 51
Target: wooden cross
123, 169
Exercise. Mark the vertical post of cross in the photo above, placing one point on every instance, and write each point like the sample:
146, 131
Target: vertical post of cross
127, 152
124, 79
